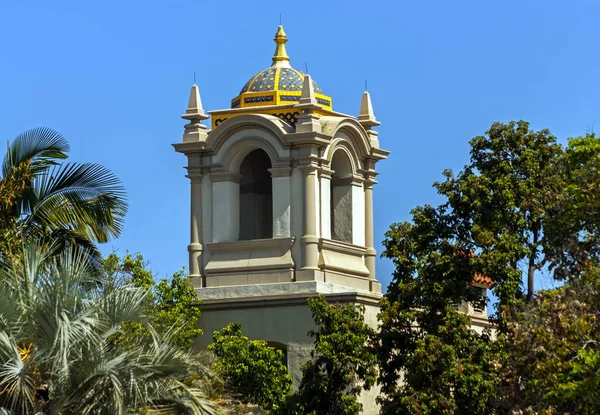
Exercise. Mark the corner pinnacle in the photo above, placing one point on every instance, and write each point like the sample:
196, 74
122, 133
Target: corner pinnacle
366, 115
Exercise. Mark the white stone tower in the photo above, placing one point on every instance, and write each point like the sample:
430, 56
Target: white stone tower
281, 206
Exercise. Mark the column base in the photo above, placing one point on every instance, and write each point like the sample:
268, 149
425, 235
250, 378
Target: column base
195, 259
310, 245
310, 275
375, 286
197, 281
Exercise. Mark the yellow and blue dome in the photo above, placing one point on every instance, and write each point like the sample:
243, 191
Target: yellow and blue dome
271, 79
279, 84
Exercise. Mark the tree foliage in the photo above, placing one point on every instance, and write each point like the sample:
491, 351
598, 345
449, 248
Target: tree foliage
522, 205
43, 199
504, 195
431, 361
573, 235
251, 369
342, 362
171, 305
553, 353
57, 316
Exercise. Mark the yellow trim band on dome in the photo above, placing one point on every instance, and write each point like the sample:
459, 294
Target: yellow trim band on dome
267, 98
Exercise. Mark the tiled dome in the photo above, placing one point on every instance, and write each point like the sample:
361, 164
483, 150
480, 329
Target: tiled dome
279, 84
277, 79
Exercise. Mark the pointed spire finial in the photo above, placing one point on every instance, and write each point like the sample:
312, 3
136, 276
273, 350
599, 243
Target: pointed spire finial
308, 101
308, 121
194, 131
194, 111
280, 58
366, 115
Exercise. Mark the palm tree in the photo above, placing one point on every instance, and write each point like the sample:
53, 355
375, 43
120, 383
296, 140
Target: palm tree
41, 198
57, 321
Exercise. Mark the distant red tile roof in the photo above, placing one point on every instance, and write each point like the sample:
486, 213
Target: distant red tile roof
479, 279
482, 280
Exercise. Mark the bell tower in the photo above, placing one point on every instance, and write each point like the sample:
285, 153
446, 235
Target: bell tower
281, 205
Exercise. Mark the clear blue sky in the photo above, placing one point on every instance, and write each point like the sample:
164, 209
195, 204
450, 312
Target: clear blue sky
114, 77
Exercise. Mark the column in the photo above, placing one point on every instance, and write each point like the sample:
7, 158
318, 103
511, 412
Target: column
369, 242
196, 240
309, 239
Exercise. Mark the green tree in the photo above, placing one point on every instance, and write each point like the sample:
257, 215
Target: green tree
505, 194
430, 360
553, 353
171, 305
251, 369
42, 198
57, 315
573, 233
522, 203
342, 362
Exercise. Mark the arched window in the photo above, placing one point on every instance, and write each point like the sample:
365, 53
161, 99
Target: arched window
341, 197
256, 197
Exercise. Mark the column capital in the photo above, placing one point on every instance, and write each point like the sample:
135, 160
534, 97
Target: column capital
194, 172
280, 171
308, 168
369, 182
325, 173
226, 177
350, 180
370, 178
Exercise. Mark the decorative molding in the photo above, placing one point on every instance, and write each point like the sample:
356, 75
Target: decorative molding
245, 245
194, 172
307, 138
226, 177
309, 168
288, 300
348, 181
280, 171
342, 247
239, 258
325, 173
343, 259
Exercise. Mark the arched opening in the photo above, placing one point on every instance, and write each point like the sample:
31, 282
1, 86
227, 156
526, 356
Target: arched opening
256, 197
341, 197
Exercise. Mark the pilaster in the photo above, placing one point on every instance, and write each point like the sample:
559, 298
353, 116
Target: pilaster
310, 240
195, 247
281, 180
226, 206
358, 212
325, 191
371, 253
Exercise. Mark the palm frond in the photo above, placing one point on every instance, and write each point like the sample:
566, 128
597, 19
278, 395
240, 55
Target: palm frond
40, 147
17, 386
87, 199
70, 313
121, 305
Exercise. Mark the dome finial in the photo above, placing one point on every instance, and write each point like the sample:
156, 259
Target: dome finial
280, 58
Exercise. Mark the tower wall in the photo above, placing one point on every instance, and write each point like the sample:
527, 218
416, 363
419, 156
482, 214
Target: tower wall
257, 264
